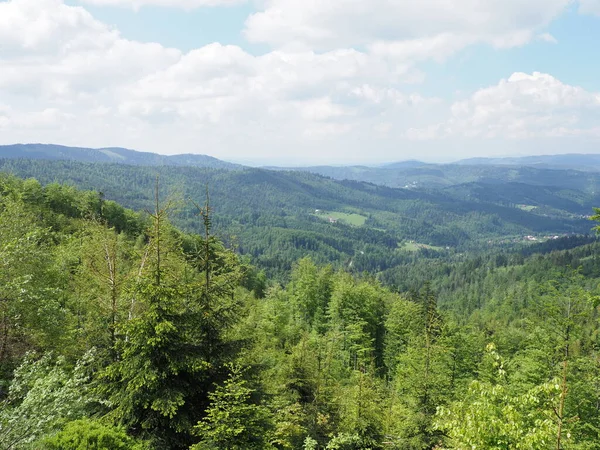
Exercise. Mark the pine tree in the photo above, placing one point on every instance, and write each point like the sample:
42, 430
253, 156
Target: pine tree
423, 377
234, 421
172, 349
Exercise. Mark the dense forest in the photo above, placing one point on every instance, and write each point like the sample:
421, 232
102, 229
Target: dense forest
120, 331
276, 217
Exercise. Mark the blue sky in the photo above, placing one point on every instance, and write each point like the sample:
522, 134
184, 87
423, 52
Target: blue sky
303, 81
180, 28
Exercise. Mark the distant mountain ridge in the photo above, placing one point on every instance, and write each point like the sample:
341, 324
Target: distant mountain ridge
441, 176
110, 155
578, 161
408, 164
567, 171
572, 161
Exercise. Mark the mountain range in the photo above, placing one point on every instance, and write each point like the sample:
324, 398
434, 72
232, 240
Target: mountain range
110, 155
577, 161
367, 216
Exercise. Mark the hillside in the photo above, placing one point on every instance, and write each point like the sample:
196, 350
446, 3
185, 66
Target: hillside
277, 217
109, 155
436, 176
548, 200
349, 216
118, 328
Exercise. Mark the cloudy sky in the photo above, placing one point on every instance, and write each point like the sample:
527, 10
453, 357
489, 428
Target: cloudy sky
304, 81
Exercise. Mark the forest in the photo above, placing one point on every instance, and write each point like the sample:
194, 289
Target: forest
270, 216
119, 330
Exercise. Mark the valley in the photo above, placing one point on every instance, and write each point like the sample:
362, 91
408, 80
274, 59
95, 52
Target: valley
285, 309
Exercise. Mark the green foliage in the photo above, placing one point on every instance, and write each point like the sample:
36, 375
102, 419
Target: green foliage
345, 441
271, 213
423, 376
356, 310
30, 306
174, 345
331, 359
86, 434
311, 289
492, 417
44, 394
310, 444
361, 414
106, 263
233, 421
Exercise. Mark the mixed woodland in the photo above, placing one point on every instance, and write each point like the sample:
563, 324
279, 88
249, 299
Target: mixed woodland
185, 320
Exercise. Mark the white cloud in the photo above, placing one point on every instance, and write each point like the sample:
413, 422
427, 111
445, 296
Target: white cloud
50, 118
547, 37
57, 51
184, 4
321, 109
71, 79
223, 83
438, 47
522, 107
42, 27
68, 78
426, 23
589, 7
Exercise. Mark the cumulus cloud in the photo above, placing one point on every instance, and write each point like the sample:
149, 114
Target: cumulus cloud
54, 50
335, 83
324, 25
70, 78
523, 106
44, 27
184, 4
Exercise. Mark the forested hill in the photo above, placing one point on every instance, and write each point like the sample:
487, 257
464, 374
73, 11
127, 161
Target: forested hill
438, 176
569, 171
119, 331
277, 217
108, 155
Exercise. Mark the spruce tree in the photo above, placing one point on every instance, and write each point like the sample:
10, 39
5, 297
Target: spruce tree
173, 347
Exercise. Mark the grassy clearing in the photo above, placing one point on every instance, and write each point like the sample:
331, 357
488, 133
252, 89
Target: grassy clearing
527, 208
415, 247
356, 220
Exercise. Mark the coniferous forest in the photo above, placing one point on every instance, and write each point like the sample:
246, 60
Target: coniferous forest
119, 330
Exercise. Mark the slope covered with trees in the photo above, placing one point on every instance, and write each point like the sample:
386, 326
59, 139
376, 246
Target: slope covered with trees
118, 331
278, 217
109, 155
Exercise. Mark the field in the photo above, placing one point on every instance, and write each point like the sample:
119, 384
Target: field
527, 208
411, 246
356, 220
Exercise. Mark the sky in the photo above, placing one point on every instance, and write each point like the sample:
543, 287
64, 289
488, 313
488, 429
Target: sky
296, 82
